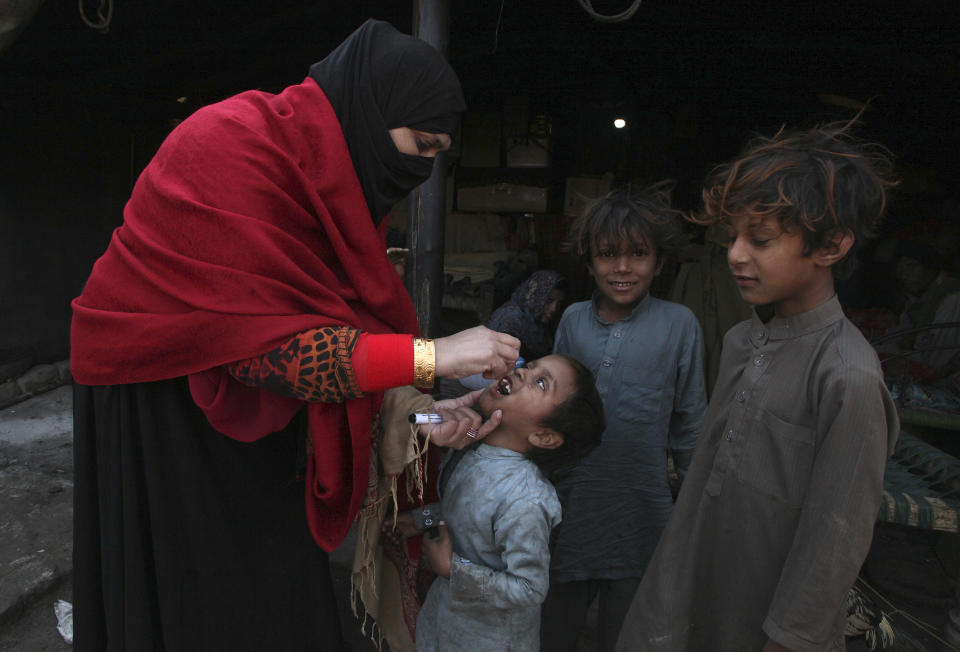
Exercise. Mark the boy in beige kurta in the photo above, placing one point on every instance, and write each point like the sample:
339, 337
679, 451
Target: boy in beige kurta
776, 513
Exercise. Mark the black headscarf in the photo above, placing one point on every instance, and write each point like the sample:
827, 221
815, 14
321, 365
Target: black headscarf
379, 79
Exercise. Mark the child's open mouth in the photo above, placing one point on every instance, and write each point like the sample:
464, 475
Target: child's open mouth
503, 387
622, 285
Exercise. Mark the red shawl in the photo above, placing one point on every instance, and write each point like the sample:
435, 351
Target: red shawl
249, 225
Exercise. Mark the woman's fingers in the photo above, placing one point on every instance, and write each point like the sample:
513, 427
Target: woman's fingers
509, 341
490, 424
507, 350
461, 426
506, 358
469, 425
476, 350
461, 401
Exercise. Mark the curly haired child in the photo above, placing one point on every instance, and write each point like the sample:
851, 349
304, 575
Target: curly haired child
776, 514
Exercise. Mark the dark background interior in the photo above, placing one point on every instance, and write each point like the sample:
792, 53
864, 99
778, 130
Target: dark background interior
82, 112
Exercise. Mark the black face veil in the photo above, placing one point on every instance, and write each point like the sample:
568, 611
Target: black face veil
379, 79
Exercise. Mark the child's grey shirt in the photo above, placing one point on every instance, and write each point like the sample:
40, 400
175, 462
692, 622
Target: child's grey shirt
649, 371
499, 510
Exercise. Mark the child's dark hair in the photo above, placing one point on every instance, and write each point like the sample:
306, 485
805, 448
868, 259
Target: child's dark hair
820, 182
628, 216
579, 419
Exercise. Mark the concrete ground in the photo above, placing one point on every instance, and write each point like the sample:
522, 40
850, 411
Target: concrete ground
36, 508
36, 521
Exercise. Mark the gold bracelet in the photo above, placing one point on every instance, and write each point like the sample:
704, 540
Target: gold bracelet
424, 362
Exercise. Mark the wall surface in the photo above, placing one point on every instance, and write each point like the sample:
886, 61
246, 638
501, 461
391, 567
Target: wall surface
61, 193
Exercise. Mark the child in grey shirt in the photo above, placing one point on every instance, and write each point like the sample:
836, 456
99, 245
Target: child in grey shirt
492, 555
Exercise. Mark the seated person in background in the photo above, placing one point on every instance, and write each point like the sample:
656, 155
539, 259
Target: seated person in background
492, 555
930, 297
530, 316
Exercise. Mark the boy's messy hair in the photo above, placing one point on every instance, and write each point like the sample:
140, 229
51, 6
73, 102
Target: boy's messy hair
820, 182
579, 419
623, 215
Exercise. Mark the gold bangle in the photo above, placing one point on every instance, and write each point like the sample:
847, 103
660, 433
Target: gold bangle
424, 362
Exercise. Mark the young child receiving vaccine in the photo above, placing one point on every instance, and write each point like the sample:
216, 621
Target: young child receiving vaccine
492, 555
647, 355
776, 514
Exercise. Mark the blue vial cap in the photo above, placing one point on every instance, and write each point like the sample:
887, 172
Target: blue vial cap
520, 362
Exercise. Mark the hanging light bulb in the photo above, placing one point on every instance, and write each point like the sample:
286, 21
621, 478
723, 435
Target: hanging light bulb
619, 123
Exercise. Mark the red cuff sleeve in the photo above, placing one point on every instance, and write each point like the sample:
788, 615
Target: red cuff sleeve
383, 361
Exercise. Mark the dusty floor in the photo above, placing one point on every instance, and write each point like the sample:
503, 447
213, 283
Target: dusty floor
37, 631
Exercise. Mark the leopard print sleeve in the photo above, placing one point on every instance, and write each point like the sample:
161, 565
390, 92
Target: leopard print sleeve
312, 366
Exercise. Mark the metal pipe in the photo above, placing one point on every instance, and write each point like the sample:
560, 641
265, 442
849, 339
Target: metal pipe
431, 23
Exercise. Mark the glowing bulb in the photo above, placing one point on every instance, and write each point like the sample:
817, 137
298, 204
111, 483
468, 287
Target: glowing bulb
619, 123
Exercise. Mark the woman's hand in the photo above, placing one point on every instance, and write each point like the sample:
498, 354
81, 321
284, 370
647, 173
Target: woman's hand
461, 424
474, 351
438, 551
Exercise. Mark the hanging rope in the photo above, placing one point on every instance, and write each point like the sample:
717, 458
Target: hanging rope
104, 14
496, 33
614, 18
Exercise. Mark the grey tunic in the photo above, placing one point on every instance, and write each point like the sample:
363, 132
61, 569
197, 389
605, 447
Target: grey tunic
616, 502
777, 511
499, 510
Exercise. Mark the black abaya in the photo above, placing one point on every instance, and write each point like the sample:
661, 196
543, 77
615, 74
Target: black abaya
185, 539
